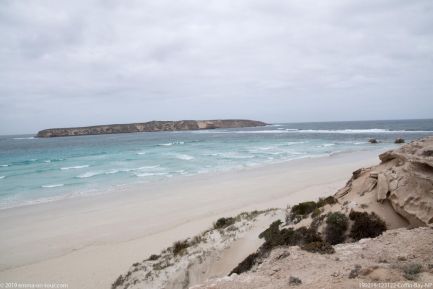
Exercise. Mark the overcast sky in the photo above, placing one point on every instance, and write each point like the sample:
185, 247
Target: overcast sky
85, 62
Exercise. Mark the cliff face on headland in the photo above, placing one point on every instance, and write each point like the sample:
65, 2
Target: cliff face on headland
151, 126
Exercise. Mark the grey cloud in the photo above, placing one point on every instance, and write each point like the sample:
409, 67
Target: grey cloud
67, 63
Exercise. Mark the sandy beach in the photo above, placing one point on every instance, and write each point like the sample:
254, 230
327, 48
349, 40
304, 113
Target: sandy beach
88, 242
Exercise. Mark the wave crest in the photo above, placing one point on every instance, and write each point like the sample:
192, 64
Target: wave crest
74, 167
52, 186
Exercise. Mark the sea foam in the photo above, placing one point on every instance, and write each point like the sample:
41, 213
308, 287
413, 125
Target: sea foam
89, 175
150, 174
22, 138
74, 167
172, 143
184, 157
52, 186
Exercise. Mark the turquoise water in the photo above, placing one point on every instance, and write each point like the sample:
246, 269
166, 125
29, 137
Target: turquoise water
41, 170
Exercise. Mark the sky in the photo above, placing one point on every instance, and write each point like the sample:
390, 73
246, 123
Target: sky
87, 62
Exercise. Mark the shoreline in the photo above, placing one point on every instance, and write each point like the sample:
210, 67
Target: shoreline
87, 242
136, 186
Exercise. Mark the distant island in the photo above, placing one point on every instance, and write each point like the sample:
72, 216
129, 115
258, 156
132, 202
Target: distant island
151, 126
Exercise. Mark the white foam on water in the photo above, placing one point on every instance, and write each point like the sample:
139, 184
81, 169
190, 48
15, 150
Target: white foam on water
184, 157
22, 138
53, 160
325, 131
89, 175
150, 174
260, 131
172, 143
358, 131
141, 153
148, 167
115, 171
2, 177
3, 166
290, 143
233, 155
52, 186
74, 167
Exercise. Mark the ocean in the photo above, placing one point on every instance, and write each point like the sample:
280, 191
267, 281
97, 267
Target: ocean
38, 170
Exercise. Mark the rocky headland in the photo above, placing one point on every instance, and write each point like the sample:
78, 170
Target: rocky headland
377, 228
151, 126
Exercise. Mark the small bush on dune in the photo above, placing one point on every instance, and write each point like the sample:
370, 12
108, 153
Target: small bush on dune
246, 264
336, 226
224, 222
307, 238
153, 257
411, 271
317, 222
366, 225
306, 235
288, 236
321, 247
326, 201
275, 237
179, 247
119, 282
275, 226
316, 212
293, 281
301, 210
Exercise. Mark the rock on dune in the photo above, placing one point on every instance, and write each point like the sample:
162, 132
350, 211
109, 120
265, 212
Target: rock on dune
403, 179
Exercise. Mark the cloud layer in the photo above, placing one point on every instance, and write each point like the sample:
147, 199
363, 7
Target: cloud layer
83, 62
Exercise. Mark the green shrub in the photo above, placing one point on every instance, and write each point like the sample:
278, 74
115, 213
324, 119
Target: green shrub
293, 281
274, 228
316, 212
246, 264
179, 247
411, 271
336, 226
307, 238
119, 282
326, 201
306, 235
275, 237
366, 225
317, 221
153, 257
288, 236
355, 272
321, 247
301, 210
224, 222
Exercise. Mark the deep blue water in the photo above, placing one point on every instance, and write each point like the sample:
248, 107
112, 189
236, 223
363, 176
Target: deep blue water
39, 170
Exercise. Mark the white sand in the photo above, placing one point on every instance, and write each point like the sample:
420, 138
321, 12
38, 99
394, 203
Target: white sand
88, 242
